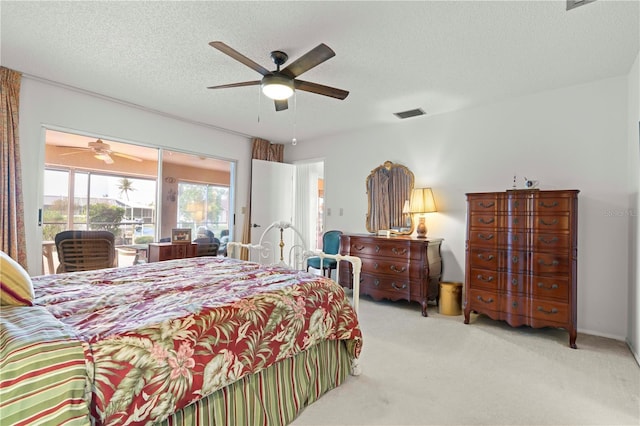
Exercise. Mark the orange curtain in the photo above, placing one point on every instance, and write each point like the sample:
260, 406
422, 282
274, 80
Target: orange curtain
11, 208
261, 149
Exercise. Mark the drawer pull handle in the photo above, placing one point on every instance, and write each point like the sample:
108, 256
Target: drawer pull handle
488, 258
548, 241
394, 285
400, 252
548, 206
359, 248
377, 249
551, 287
376, 282
394, 268
514, 282
516, 203
486, 221
514, 304
487, 205
375, 265
553, 222
516, 220
482, 278
541, 262
551, 312
515, 238
485, 237
489, 300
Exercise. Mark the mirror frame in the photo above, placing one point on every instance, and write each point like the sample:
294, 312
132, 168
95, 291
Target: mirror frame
384, 172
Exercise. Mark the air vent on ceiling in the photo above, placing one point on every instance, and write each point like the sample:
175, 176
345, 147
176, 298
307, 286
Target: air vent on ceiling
572, 4
410, 113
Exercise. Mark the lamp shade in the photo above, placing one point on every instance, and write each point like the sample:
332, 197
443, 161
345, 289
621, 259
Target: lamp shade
422, 201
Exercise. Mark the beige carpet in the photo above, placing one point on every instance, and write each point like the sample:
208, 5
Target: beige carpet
439, 371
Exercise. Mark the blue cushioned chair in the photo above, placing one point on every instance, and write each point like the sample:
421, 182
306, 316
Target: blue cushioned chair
330, 245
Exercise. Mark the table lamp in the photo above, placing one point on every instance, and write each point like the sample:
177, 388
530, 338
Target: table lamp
422, 202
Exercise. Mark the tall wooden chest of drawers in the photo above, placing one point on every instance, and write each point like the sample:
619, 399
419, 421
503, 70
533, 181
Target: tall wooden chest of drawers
521, 258
395, 268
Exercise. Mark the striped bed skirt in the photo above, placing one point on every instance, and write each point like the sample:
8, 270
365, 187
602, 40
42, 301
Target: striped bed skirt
275, 395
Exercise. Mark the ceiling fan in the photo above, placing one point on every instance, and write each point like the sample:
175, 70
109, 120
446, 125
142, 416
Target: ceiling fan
101, 151
279, 85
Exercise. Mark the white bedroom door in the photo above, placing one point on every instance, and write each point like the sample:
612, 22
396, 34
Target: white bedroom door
272, 186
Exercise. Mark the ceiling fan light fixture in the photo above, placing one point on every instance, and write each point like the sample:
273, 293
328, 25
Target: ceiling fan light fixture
103, 156
277, 87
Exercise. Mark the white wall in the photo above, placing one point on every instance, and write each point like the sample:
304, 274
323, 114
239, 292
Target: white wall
46, 104
570, 138
633, 337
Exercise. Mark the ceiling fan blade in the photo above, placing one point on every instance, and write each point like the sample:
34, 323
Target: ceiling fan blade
107, 159
78, 151
130, 157
239, 57
320, 89
281, 105
312, 58
244, 83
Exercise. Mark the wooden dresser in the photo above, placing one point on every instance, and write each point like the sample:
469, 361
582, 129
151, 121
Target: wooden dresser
396, 268
521, 258
168, 251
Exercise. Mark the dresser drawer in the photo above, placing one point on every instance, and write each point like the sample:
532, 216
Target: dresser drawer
383, 248
552, 204
384, 287
549, 263
484, 258
550, 223
483, 203
550, 242
549, 311
483, 221
483, 237
485, 300
484, 279
550, 288
389, 266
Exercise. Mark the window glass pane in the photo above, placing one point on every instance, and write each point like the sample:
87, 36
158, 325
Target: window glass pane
203, 206
56, 203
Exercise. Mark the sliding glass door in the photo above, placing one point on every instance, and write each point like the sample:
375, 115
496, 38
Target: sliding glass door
98, 184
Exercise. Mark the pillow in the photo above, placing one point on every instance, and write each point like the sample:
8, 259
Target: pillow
15, 283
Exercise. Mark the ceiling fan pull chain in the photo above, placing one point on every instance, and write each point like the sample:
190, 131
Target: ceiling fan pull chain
294, 141
259, 103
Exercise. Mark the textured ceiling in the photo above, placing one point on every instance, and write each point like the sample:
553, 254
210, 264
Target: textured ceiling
391, 56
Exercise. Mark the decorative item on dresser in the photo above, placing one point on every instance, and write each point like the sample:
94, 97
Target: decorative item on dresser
521, 258
396, 268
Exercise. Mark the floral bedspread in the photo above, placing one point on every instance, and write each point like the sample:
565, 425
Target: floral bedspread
159, 336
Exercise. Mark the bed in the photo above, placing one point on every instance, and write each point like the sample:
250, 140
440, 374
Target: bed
206, 340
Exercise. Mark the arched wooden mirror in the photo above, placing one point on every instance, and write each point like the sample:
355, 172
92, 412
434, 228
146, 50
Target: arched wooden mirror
389, 189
